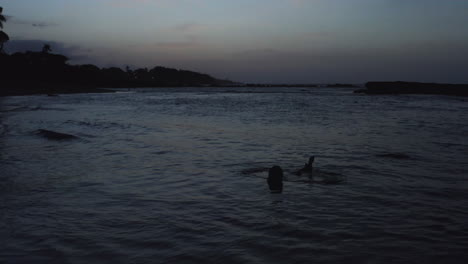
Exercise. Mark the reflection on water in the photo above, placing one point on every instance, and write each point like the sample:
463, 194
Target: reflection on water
157, 176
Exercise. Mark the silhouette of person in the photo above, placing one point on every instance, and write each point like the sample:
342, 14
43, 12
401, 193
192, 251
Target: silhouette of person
275, 179
307, 167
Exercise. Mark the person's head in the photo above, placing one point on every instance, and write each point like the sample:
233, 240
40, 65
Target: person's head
275, 172
275, 179
311, 160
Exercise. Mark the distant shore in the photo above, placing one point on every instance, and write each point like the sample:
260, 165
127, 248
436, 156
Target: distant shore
19, 88
37, 88
34, 88
25, 87
414, 88
26, 73
35, 73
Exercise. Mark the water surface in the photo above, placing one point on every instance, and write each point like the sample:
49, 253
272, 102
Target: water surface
156, 177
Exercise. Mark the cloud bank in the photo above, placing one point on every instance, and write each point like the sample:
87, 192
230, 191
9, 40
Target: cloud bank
73, 52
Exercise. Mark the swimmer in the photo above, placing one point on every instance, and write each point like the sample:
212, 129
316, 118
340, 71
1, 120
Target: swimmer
308, 167
275, 179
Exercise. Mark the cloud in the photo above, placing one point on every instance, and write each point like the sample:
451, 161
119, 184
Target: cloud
319, 34
177, 45
37, 24
297, 2
187, 35
287, 58
42, 25
188, 27
71, 51
133, 3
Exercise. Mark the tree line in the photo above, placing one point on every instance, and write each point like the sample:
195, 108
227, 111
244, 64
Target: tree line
3, 36
34, 72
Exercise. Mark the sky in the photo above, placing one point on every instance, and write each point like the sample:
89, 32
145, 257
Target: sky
260, 41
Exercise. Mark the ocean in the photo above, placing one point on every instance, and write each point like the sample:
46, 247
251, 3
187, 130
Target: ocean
177, 175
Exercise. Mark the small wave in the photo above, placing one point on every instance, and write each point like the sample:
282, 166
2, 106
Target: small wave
396, 155
32, 108
317, 176
99, 124
326, 177
254, 170
20, 109
161, 152
3, 129
53, 135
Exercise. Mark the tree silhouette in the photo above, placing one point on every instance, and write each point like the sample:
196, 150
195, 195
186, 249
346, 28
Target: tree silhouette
3, 36
46, 48
2, 18
39, 72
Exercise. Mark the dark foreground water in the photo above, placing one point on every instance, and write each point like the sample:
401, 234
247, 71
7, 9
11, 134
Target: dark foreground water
156, 177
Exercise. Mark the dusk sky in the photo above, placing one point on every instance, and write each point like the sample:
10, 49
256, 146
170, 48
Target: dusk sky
269, 41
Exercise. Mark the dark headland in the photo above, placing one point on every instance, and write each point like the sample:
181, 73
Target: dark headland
26, 73
44, 72
414, 88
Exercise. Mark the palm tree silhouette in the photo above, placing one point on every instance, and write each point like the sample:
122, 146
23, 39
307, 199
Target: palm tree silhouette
3, 36
46, 48
2, 18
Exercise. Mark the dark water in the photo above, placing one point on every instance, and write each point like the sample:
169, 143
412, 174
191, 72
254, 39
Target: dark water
155, 177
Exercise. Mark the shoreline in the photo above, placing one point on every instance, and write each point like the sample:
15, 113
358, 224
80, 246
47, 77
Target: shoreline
24, 88
398, 87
